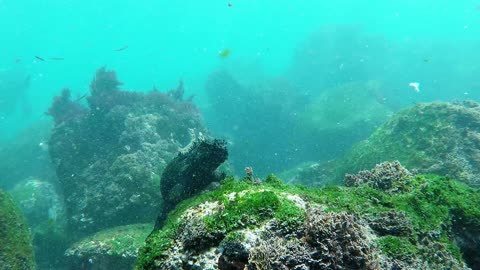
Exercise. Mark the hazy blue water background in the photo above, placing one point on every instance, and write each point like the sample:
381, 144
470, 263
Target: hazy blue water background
308, 47
169, 40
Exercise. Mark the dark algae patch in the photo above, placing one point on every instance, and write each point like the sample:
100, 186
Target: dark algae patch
419, 221
16, 250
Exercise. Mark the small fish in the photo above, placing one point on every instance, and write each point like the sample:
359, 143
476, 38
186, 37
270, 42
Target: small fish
56, 58
426, 60
224, 53
39, 58
229, 4
81, 97
121, 48
18, 60
415, 85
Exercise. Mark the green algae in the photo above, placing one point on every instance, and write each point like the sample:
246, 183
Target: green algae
432, 204
16, 250
397, 247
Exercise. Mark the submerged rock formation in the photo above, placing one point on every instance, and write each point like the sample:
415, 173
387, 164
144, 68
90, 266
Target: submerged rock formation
413, 222
44, 210
114, 248
16, 250
108, 157
440, 138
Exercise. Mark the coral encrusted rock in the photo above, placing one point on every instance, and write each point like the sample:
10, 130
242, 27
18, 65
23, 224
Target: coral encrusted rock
16, 250
109, 157
114, 248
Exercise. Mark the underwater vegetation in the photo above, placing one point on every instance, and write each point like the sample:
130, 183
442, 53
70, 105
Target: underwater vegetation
108, 156
16, 250
387, 218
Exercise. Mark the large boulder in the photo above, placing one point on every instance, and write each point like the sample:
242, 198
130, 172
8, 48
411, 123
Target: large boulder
108, 157
114, 248
438, 137
16, 245
411, 222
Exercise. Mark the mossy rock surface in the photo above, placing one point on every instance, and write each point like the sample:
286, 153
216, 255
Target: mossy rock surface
16, 250
115, 248
416, 225
440, 138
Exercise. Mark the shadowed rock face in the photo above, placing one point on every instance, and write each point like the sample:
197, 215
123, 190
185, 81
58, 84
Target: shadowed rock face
109, 157
15, 244
190, 172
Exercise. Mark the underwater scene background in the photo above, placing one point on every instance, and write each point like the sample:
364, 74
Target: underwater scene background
122, 117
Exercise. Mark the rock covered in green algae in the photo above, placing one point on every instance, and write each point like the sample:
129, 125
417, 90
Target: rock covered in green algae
190, 172
44, 210
15, 244
422, 223
440, 138
115, 248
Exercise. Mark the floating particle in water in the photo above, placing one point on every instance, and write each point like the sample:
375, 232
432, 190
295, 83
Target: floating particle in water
415, 86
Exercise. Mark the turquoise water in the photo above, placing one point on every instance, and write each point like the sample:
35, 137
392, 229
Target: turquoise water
171, 40
285, 83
